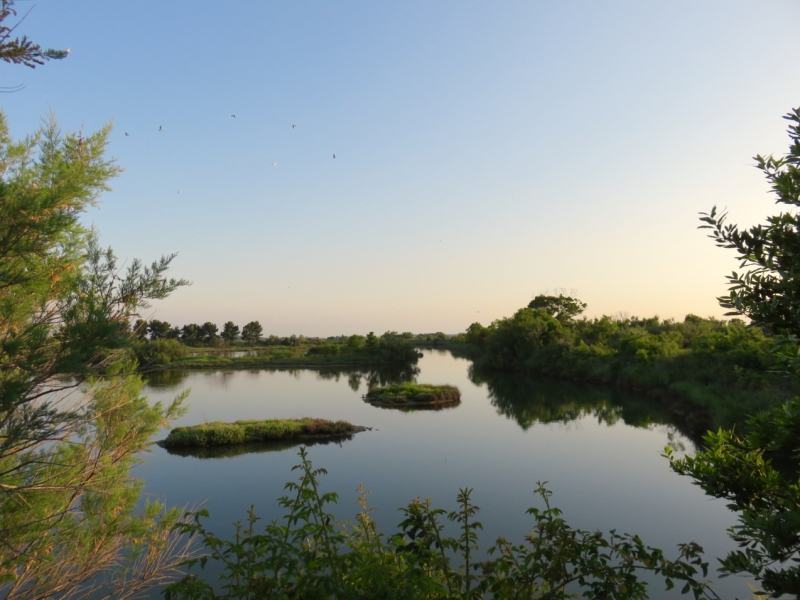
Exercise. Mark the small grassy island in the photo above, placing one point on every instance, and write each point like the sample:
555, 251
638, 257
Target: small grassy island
405, 394
246, 432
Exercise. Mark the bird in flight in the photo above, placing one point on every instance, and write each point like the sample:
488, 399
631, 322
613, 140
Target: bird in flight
293, 126
128, 134
159, 127
274, 164
334, 156
234, 116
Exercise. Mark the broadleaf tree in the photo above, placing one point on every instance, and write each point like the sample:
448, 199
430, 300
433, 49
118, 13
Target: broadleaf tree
755, 469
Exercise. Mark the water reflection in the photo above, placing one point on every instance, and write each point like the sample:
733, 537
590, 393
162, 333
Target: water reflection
371, 376
529, 400
257, 448
414, 407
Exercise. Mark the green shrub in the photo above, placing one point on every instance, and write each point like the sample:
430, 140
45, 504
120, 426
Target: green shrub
160, 352
310, 556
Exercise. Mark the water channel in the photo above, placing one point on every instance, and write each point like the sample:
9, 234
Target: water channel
598, 449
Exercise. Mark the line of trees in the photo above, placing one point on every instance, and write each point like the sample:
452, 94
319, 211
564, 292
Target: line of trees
193, 334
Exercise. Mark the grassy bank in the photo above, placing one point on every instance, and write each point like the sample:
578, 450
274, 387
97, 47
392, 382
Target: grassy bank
413, 393
247, 432
172, 354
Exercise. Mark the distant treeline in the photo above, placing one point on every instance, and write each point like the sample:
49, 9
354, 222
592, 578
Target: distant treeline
209, 335
161, 345
725, 367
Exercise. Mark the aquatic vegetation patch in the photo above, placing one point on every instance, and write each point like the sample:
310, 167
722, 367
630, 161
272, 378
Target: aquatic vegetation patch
412, 393
218, 433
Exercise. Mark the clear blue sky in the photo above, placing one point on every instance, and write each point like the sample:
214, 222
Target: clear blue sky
485, 151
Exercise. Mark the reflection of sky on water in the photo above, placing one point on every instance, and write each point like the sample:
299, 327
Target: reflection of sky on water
604, 473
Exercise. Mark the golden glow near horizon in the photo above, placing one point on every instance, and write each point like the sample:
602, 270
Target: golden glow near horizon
484, 153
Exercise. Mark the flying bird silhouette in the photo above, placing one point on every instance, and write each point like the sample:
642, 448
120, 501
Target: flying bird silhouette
234, 116
293, 126
128, 134
159, 127
274, 164
334, 156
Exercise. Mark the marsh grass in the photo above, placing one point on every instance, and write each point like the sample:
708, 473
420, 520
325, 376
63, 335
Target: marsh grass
417, 393
285, 357
218, 433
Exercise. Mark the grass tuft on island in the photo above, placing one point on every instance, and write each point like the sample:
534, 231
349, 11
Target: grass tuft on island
413, 393
245, 432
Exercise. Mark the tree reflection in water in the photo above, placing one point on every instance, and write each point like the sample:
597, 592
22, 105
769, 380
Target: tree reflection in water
372, 376
530, 400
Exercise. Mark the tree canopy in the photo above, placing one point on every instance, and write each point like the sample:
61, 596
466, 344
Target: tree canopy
767, 290
252, 332
561, 307
72, 418
755, 469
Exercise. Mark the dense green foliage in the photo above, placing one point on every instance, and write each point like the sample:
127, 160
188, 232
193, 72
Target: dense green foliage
757, 472
389, 349
252, 332
405, 393
230, 332
561, 307
701, 360
756, 469
72, 418
310, 556
769, 291
245, 432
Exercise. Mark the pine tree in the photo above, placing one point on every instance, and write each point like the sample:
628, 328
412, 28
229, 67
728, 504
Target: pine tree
72, 418
21, 51
230, 332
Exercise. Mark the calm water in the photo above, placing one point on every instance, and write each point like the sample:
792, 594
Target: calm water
598, 450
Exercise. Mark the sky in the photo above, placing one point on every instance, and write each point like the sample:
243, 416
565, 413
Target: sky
486, 152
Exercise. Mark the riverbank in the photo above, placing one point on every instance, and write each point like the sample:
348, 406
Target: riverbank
710, 373
171, 354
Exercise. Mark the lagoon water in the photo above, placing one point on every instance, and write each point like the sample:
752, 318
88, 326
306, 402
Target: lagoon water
597, 449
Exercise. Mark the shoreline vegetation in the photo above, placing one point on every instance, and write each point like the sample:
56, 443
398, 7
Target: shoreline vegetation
709, 372
218, 433
297, 351
403, 395
706, 373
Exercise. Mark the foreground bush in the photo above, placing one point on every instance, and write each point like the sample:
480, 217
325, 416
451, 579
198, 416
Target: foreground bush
309, 556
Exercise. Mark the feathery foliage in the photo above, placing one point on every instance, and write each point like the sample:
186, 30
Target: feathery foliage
72, 418
21, 50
